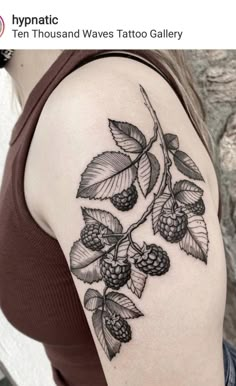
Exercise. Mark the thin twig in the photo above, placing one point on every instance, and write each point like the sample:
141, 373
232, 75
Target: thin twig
165, 181
108, 235
104, 291
104, 298
167, 161
166, 177
148, 147
136, 248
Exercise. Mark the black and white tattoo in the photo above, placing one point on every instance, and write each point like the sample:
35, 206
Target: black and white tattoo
106, 252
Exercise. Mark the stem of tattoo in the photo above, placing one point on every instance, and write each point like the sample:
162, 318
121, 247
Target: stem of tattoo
135, 247
166, 180
167, 160
166, 177
104, 298
155, 128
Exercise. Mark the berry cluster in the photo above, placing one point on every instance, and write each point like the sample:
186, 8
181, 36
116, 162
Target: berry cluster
197, 208
118, 327
172, 224
126, 199
115, 272
91, 236
113, 254
153, 261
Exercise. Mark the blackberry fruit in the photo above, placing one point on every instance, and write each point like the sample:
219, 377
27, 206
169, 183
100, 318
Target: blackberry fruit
115, 273
172, 224
118, 328
197, 208
154, 260
91, 236
126, 199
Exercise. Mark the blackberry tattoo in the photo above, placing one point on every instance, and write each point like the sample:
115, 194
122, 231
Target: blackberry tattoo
126, 199
91, 236
152, 260
118, 328
106, 252
173, 224
115, 272
197, 207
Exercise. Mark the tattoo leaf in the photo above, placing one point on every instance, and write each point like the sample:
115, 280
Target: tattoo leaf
187, 192
94, 216
171, 141
113, 172
195, 242
131, 252
187, 166
159, 203
148, 172
127, 136
92, 299
84, 263
110, 345
123, 249
108, 173
137, 281
122, 305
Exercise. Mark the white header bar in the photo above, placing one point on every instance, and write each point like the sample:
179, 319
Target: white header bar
119, 24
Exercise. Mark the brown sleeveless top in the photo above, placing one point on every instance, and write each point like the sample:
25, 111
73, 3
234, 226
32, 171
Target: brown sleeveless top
37, 293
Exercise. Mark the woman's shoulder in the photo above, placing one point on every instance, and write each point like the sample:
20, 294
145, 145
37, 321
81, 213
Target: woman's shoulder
114, 152
109, 88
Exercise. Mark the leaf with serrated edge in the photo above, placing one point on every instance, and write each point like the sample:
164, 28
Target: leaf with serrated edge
92, 299
123, 248
81, 257
148, 173
84, 263
122, 305
171, 141
131, 252
127, 136
169, 203
137, 281
187, 166
107, 174
187, 192
196, 242
89, 274
93, 216
110, 345
159, 203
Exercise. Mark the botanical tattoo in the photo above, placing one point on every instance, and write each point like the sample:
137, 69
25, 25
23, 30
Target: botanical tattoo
107, 252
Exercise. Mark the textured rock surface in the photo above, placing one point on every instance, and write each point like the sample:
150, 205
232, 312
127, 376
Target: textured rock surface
215, 72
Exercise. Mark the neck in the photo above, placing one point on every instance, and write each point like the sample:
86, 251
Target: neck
27, 67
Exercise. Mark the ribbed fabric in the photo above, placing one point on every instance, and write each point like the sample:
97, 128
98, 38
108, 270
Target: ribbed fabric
37, 293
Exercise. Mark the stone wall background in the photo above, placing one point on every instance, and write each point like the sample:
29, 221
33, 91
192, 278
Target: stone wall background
215, 75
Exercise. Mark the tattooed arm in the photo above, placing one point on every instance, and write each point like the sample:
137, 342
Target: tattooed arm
131, 196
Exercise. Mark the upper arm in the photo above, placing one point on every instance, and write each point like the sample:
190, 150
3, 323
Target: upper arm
175, 310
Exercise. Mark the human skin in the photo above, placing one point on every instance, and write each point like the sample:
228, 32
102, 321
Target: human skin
179, 339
